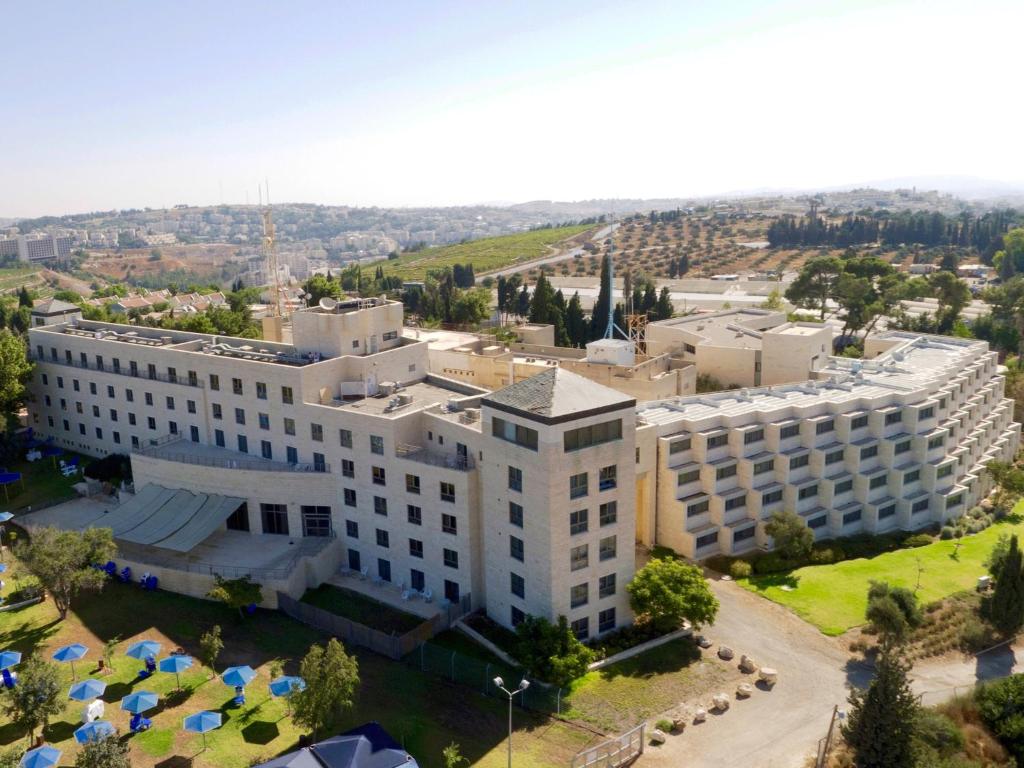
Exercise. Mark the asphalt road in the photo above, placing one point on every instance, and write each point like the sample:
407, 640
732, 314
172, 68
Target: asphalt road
559, 256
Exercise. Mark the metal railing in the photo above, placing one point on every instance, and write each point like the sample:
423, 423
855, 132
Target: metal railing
156, 449
185, 381
426, 456
614, 752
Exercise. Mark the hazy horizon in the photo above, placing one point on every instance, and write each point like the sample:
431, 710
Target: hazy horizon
151, 105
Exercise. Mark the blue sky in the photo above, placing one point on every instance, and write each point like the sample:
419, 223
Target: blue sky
123, 104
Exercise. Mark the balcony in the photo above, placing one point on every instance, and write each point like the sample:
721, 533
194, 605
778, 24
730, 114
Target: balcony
177, 449
435, 459
185, 381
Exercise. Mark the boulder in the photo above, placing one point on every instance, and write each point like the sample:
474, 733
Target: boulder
725, 653
657, 736
768, 676
700, 716
743, 690
747, 664
720, 702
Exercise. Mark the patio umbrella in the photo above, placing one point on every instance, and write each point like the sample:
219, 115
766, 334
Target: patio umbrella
238, 676
287, 684
5, 516
87, 690
175, 664
71, 654
43, 757
142, 649
139, 702
9, 659
201, 722
94, 731
3, 567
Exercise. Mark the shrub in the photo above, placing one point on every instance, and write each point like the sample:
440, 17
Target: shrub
918, 540
665, 725
974, 635
740, 569
1001, 705
717, 563
551, 651
112, 468
772, 562
976, 512
938, 732
947, 533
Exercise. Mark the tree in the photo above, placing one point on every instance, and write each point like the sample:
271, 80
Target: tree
470, 307
109, 648
815, 284
332, 677
952, 295
542, 302
892, 610
319, 287
603, 305
110, 752
63, 561
24, 297
237, 593
37, 697
667, 592
452, 756
575, 322
15, 372
881, 724
1001, 706
663, 309
210, 646
1006, 608
793, 539
551, 652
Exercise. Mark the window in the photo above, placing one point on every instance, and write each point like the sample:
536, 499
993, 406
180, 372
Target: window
697, 508
150, 369
606, 586
451, 558
515, 479
190, 406
764, 466
214, 380
859, 422
577, 522
517, 616
717, 441
414, 514
390, 336
808, 492
877, 482
852, 517
349, 495
517, 585
514, 433
817, 522
451, 591
194, 433
92, 387
236, 386
771, 497
606, 620
316, 521
926, 413
888, 511
723, 473
319, 462
379, 476
316, 433
345, 438
515, 514
383, 539
579, 557
449, 524
289, 426
412, 484
151, 422
795, 462
607, 478
754, 436
824, 427
868, 453
736, 502
131, 417
415, 548
380, 505
348, 468
834, 456
790, 430
607, 548
579, 595
609, 513
893, 418
352, 529
193, 379
129, 395
110, 394
218, 413
595, 434
239, 519
417, 580
239, 416
515, 548
945, 471
243, 444
578, 486
844, 486
936, 442
581, 628
902, 447
448, 492
689, 476
275, 518
376, 444
919, 506
678, 446
292, 454
286, 395
99, 433
117, 435
261, 390
264, 419
912, 477
148, 396
384, 569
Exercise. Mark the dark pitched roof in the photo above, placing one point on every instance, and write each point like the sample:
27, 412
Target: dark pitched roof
557, 395
53, 306
368, 746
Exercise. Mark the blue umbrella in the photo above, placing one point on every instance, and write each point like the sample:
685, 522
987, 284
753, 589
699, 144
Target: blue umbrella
286, 685
71, 653
143, 649
94, 731
5, 516
3, 567
9, 659
201, 722
43, 757
87, 689
238, 676
139, 702
175, 664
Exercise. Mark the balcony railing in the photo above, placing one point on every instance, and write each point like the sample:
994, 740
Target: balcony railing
167, 449
185, 381
425, 456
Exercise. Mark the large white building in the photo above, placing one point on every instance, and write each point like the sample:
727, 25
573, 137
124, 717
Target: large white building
35, 248
527, 499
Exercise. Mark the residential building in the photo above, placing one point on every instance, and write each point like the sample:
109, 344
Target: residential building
36, 248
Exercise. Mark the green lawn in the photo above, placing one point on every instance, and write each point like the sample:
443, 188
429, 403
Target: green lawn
422, 711
834, 597
485, 255
355, 607
42, 482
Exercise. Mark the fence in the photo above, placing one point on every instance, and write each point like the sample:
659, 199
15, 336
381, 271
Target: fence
614, 752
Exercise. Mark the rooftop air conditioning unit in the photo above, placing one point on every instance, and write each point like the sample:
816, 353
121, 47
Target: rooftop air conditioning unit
404, 399
471, 415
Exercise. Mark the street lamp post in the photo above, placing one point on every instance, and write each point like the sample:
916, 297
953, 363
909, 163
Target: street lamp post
523, 685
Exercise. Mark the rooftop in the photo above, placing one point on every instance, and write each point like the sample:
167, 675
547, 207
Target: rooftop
557, 394
53, 307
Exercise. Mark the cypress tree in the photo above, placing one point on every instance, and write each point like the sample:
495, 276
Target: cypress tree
1007, 606
599, 317
575, 322
24, 298
542, 302
880, 730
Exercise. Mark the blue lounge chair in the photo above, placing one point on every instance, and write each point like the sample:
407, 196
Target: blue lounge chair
139, 723
126, 575
10, 679
239, 700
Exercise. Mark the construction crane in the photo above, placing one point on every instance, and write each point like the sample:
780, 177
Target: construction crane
273, 323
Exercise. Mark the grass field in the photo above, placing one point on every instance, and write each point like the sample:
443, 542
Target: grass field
41, 482
485, 255
834, 597
12, 278
423, 712
354, 607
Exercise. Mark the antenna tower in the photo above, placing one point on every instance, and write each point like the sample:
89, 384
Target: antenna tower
611, 327
269, 247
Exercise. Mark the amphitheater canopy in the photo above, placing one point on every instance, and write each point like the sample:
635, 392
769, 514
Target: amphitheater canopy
170, 519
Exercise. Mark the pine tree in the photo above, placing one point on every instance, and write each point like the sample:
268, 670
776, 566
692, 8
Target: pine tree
1007, 606
543, 302
880, 730
575, 322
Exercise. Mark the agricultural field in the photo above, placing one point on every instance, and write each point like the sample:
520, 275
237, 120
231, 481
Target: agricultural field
489, 253
207, 260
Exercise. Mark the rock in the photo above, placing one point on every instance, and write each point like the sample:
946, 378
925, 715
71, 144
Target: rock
768, 676
725, 653
678, 723
720, 702
747, 664
700, 716
743, 690
657, 736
